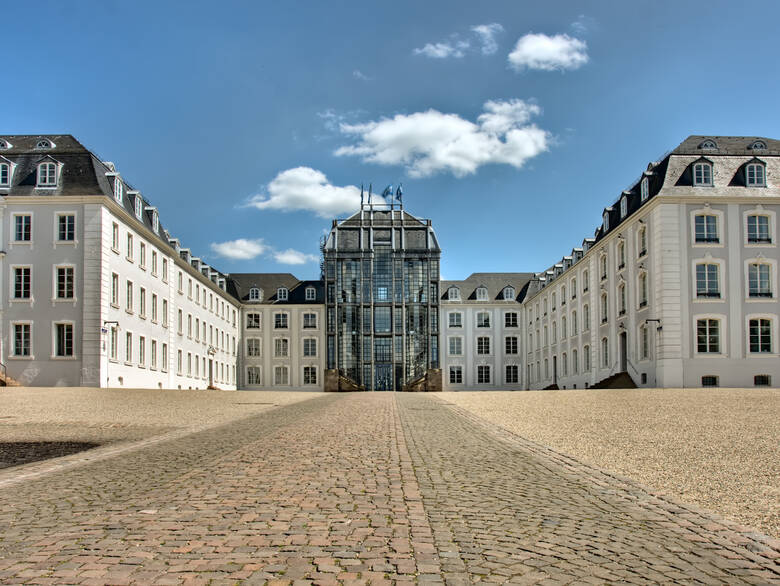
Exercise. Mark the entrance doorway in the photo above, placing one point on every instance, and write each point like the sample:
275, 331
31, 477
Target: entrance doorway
623, 352
555, 370
383, 377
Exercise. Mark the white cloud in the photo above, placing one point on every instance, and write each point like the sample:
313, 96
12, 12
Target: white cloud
431, 142
294, 257
443, 50
539, 51
304, 188
357, 74
241, 249
487, 36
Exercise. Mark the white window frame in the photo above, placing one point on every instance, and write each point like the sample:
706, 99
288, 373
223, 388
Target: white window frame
506, 374
282, 294
303, 320
644, 189
55, 284
479, 369
705, 166
44, 178
455, 368
755, 182
281, 369
12, 343
281, 344
719, 224
453, 294
306, 373
482, 314
12, 284
772, 225
720, 263
460, 319
772, 264
57, 218
63, 322
509, 293
14, 219
285, 320
9, 171
256, 374
623, 207
311, 294
477, 346
722, 334
773, 353
517, 345
454, 339
310, 341
482, 294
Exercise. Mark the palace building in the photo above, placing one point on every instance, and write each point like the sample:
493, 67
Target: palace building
677, 287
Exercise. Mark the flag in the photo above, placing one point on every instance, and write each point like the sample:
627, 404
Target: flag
399, 193
361, 195
388, 192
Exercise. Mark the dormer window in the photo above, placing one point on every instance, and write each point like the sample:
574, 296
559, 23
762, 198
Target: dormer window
118, 189
482, 294
255, 294
47, 175
644, 189
708, 145
281, 293
5, 175
44, 144
758, 145
702, 174
509, 293
311, 294
138, 203
605, 221
453, 294
155, 221
755, 175
623, 207
4, 144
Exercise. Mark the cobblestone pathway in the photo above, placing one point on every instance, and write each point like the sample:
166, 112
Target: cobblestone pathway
327, 491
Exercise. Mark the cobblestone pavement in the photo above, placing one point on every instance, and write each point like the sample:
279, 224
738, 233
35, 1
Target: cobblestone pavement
354, 489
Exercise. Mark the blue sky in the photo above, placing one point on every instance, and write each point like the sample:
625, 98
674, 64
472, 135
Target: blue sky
511, 124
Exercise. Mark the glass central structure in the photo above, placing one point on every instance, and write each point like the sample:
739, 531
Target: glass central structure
381, 273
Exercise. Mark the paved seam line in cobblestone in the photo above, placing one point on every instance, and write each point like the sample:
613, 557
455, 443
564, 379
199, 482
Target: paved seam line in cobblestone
521, 514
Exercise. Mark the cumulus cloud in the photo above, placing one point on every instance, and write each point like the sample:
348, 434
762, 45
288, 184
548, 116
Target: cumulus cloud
304, 188
240, 249
443, 50
540, 51
293, 257
357, 74
487, 36
431, 142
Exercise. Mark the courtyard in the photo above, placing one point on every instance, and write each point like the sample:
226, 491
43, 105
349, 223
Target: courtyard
539, 487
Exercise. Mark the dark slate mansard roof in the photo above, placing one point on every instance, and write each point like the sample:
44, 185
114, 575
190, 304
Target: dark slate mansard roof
494, 282
239, 285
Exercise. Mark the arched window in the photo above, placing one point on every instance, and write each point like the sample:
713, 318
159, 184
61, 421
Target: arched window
621, 251
482, 294
311, 294
702, 174
563, 328
254, 294
708, 145
642, 240
453, 294
281, 293
563, 295
585, 280
622, 299
758, 145
574, 362
642, 289
586, 358
644, 189
554, 332
138, 203
604, 306
623, 207
509, 293
44, 144
4, 144
574, 323
585, 318
605, 221
603, 262
604, 352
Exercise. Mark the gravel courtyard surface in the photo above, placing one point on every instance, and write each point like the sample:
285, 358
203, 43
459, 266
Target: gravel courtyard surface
717, 448
104, 416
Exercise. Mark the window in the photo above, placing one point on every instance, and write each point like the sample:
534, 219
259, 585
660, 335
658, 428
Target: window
512, 376
280, 321
311, 294
604, 307
708, 335
118, 189
129, 297
63, 340
706, 228
254, 294
281, 376
5, 175
138, 203
456, 345
510, 319
281, 347
603, 264
253, 375
702, 174
253, 321
22, 282
644, 342
707, 282
604, 353
253, 347
755, 175
114, 289
709, 380
453, 294
456, 375
180, 323
510, 345
623, 207
642, 240
563, 295
309, 321
483, 374
155, 221
65, 283
115, 237
483, 319
760, 334
563, 328
164, 360
129, 347
644, 189
154, 307
482, 294
165, 270
642, 289
153, 355
455, 319
281, 293
310, 375
554, 332
22, 340
113, 343
142, 255
483, 345
758, 229
181, 283
575, 363
586, 358
23, 228
47, 175
621, 252
585, 279
66, 227
564, 364
142, 303
622, 299
605, 222
310, 347
758, 280
165, 313
141, 351
509, 293
585, 318
574, 323
762, 380
553, 301
130, 247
